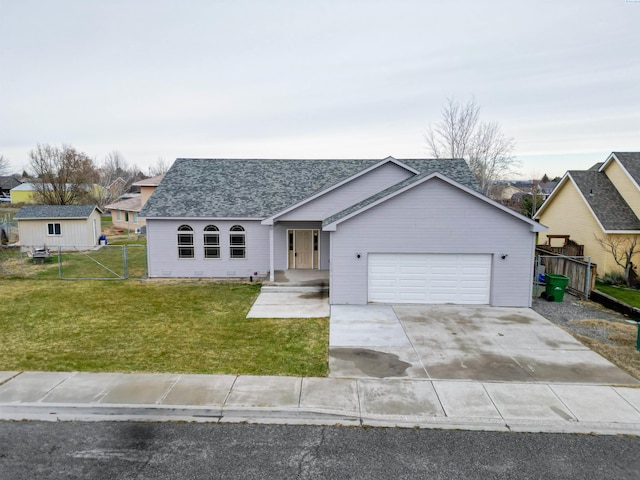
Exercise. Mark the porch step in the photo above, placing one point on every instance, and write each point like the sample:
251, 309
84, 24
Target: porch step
295, 288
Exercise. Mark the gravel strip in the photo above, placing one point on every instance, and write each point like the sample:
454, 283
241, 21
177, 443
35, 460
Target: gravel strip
572, 308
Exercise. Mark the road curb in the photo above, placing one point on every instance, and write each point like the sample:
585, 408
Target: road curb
275, 416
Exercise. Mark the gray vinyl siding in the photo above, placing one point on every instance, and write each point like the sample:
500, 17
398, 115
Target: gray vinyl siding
349, 194
162, 248
281, 243
73, 232
434, 217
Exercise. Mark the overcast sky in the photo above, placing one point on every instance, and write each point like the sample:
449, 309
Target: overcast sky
317, 79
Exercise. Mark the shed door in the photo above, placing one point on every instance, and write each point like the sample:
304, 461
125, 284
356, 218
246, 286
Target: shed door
429, 278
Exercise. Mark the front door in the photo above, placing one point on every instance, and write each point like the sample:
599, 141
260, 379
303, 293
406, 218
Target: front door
303, 247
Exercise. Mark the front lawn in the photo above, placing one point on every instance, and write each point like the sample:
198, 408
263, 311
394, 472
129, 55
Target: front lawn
132, 326
629, 296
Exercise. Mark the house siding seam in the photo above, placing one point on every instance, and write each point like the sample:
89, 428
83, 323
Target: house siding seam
436, 217
162, 252
349, 194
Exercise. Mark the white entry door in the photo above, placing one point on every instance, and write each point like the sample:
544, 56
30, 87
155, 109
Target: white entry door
429, 278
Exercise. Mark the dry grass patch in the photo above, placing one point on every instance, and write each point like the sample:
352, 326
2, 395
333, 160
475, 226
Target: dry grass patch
623, 353
130, 326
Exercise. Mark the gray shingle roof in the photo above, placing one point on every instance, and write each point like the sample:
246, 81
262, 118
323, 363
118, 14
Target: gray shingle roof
54, 211
256, 188
631, 162
8, 182
605, 200
133, 204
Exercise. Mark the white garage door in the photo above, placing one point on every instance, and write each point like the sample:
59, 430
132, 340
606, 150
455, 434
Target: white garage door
429, 278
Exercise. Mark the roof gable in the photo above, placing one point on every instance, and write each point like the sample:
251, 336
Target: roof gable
386, 161
254, 188
42, 212
630, 163
605, 201
332, 222
601, 197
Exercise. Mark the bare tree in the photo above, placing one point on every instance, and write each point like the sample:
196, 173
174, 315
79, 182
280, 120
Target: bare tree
461, 134
160, 167
622, 248
116, 176
63, 176
4, 164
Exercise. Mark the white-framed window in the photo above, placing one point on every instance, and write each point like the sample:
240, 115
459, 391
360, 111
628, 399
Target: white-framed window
135, 217
211, 242
186, 248
237, 242
118, 215
53, 229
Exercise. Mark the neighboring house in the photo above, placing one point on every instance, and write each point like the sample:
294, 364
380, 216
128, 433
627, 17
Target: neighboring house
595, 203
546, 189
503, 191
6, 184
393, 231
23, 193
117, 187
26, 192
65, 226
126, 212
148, 186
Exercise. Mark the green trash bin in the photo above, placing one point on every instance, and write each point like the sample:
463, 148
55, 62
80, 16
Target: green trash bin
555, 286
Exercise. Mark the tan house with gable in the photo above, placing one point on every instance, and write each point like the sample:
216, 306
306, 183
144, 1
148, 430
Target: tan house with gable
602, 202
125, 213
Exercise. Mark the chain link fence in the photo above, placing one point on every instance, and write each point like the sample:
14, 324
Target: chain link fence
104, 262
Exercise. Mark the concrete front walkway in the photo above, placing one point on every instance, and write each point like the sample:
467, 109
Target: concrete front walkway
453, 342
293, 294
54, 396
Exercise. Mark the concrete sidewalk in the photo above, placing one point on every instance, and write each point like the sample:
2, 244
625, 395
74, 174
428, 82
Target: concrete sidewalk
525, 407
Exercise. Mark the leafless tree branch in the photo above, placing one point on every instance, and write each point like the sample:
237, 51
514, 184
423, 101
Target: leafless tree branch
461, 134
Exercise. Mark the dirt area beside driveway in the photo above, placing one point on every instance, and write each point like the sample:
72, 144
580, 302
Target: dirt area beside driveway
601, 329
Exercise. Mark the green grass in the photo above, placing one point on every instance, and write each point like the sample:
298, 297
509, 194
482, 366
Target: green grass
131, 326
106, 262
630, 296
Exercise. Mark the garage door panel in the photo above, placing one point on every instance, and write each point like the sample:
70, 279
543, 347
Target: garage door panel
429, 278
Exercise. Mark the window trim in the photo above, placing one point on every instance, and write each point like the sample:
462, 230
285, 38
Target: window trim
211, 231
185, 231
52, 231
237, 231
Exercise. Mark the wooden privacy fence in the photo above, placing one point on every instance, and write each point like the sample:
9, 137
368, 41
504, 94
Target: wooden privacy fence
579, 269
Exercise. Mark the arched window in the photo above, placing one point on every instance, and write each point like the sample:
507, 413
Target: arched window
237, 242
211, 242
185, 242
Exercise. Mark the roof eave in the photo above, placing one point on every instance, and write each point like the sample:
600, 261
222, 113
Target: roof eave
622, 232
550, 198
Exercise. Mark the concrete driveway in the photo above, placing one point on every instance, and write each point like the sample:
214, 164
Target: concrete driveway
460, 343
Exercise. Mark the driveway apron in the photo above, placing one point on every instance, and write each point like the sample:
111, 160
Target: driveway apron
452, 342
